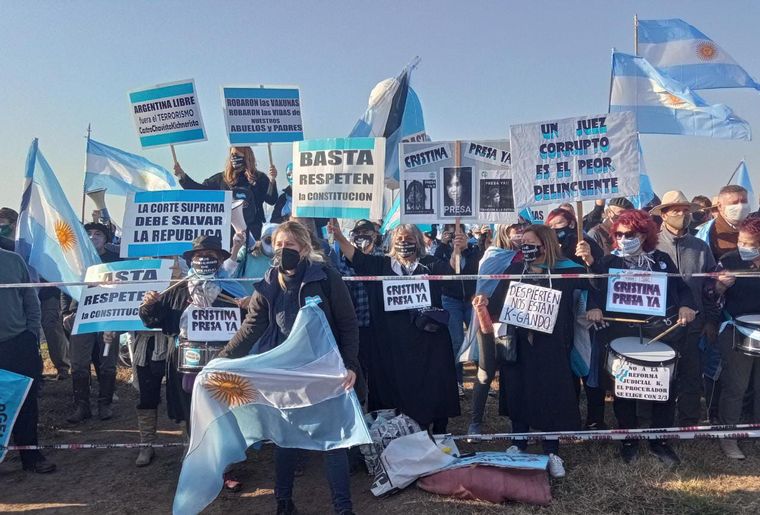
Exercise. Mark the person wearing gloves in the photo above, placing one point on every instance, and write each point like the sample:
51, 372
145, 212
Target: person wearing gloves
283, 208
414, 372
244, 180
740, 370
299, 273
635, 248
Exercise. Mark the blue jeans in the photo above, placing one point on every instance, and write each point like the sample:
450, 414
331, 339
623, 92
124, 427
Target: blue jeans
336, 468
460, 313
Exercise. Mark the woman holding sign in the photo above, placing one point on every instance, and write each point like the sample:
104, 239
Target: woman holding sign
244, 180
635, 237
413, 371
537, 389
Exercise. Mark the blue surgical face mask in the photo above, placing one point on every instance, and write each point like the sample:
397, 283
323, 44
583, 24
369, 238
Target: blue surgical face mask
629, 246
748, 253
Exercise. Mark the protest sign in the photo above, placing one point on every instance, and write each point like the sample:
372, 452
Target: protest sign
438, 188
167, 114
640, 294
164, 223
411, 294
634, 381
531, 306
339, 178
517, 460
115, 307
212, 324
586, 158
262, 114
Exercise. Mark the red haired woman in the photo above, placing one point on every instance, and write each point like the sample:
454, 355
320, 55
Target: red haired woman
635, 240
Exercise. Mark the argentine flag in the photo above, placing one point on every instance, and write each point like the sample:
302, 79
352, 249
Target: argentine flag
120, 173
664, 106
646, 192
291, 395
684, 53
49, 236
13, 390
741, 178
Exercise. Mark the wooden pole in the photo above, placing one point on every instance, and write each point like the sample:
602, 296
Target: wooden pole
635, 34
174, 154
458, 220
84, 193
579, 220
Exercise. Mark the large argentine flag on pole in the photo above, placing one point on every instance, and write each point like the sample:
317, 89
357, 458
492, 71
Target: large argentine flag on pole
50, 237
120, 173
684, 53
291, 395
664, 106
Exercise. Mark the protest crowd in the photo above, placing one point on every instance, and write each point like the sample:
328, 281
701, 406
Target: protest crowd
281, 301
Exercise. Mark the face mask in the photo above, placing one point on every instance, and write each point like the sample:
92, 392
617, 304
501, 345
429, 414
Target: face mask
735, 213
362, 241
530, 252
266, 248
698, 217
205, 265
286, 259
678, 222
405, 249
629, 246
238, 161
561, 234
5, 230
749, 253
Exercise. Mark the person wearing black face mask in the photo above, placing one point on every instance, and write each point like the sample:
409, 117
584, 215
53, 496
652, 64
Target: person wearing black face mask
701, 215
586, 253
240, 174
298, 273
412, 367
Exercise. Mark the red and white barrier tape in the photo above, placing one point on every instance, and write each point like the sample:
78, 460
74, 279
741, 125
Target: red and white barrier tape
78, 446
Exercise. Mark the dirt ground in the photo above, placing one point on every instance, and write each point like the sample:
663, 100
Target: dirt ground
106, 481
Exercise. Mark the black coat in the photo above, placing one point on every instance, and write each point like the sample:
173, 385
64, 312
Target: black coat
409, 369
277, 217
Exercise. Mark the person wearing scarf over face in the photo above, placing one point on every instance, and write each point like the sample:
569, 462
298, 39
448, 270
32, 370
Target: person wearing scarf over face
414, 370
169, 312
300, 273
253, 262
283, 208
242, 178
538, 391
635, 248
740, 371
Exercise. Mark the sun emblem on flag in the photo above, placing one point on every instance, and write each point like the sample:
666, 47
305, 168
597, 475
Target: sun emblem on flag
65, 235
230, 389
706, 51
672, 100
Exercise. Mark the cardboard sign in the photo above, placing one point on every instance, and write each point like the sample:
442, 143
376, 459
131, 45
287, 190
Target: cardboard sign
167, 114
212, 324
586, 158
262, 114
116, 307
339, 178
164, 223
643, 295
640, 382
531, 306
435, 190
411, 294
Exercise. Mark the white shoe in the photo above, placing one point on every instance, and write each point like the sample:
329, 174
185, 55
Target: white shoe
731, 449
556, 466
513, 450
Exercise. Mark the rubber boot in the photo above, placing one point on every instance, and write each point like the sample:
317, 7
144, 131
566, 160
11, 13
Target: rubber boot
107, 384
81, 383
146, 422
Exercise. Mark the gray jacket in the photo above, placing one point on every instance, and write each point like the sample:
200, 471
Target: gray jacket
691, 255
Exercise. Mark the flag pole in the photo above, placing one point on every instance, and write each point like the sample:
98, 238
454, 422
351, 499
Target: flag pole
84, 193
269, 143
458, 220
734, 174
636, 35
174, 154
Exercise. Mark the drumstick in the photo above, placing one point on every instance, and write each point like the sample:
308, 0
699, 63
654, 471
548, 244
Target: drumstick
181, 281
227, 298
664, 333
624, 320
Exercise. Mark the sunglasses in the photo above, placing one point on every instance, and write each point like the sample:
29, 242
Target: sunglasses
629, 234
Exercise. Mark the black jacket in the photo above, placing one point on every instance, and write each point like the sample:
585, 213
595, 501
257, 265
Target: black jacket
320, 280
461, 290
277, 217
741, 298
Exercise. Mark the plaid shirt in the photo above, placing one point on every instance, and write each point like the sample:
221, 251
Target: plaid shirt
358, 290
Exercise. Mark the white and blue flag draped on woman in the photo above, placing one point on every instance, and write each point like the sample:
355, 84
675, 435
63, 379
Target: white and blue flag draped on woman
291, 395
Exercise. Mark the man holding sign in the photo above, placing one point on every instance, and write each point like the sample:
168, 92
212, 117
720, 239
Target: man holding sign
537, 391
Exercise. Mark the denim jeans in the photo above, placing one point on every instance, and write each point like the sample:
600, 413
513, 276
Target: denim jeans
460, 313
336, 469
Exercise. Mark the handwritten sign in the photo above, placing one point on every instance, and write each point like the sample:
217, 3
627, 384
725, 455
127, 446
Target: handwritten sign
412, 294
212, 324
640, 382
642, 294
531, 306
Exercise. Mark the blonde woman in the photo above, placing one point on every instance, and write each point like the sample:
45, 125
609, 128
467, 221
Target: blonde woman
244, 180
412, 366
299, 272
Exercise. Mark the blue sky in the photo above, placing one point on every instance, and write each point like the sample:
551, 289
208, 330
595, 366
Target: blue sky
485, 65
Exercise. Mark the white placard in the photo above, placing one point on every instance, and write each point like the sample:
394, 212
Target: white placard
639, 294
212, 324
640, 382
531, 306
411, 294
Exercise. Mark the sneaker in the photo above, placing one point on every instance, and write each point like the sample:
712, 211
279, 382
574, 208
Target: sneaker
41, 466
731, 449
596, 426
493, 393
286, 507
460, 389
513, 449
629, 452
556, 466
664, 453
474, 429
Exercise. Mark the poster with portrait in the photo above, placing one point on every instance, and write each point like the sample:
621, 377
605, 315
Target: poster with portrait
445, 180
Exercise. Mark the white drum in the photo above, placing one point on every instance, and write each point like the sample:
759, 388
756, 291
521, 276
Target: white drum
747, 335
641, 370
